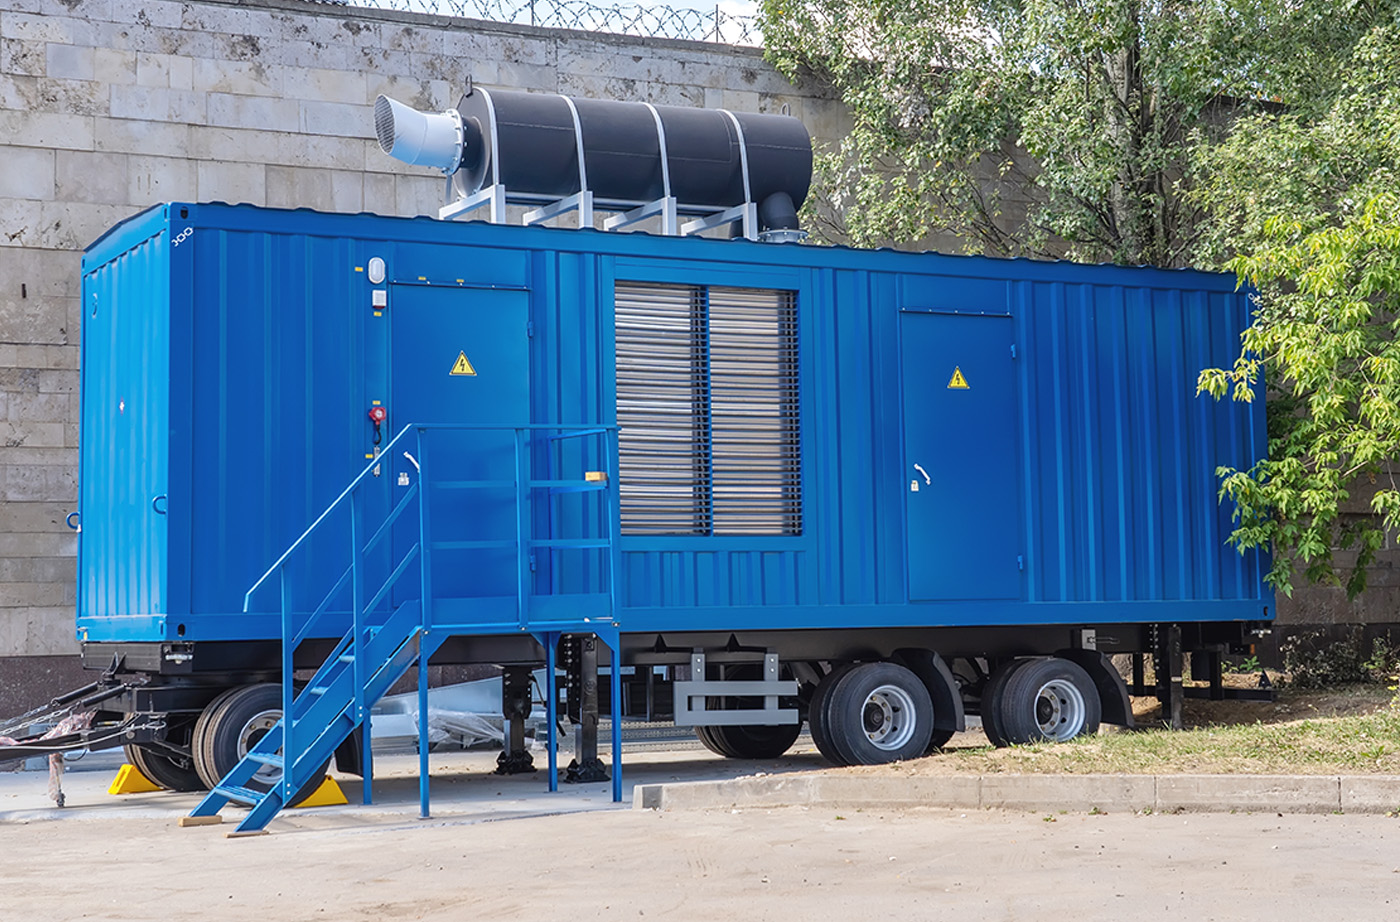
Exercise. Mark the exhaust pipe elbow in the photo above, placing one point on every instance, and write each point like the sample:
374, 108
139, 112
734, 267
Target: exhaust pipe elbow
419, 138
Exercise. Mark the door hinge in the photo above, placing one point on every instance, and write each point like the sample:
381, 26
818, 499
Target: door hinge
1020, 562
1013, 350
529, 328
532, 563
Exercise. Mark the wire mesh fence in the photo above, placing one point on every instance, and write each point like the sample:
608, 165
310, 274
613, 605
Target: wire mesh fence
712, 24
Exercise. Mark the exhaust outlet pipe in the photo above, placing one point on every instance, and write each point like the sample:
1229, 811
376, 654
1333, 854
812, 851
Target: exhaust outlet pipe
419, 138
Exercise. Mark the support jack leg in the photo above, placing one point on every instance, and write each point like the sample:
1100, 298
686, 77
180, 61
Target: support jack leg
515, 759
586, 766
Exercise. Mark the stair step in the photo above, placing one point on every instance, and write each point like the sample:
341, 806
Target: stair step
267, 758
347, 657
318, 689
240, 795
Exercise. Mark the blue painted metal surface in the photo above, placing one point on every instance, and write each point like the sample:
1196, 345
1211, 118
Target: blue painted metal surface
261, 351
959, 381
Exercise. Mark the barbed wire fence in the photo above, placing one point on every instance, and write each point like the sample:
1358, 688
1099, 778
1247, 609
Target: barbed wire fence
649, 21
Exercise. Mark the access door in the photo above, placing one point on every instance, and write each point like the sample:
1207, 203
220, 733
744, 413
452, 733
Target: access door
960, 480
460, 356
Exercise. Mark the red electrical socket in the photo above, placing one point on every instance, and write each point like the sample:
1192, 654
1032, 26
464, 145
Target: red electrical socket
378, 414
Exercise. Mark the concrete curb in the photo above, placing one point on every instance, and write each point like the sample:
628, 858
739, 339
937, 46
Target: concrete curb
1076, 793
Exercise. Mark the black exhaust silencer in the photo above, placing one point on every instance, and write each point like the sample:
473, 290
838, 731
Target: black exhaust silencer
628, 152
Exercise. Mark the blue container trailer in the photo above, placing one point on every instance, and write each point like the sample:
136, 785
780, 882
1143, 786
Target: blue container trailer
871, 491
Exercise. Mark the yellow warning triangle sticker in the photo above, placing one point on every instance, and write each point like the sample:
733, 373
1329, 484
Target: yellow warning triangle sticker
463, 366
958, 382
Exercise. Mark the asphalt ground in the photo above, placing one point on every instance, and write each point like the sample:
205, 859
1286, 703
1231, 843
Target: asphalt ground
506, 848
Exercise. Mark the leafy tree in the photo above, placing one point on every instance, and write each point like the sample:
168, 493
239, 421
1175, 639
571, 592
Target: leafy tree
1312, 204
1044, 127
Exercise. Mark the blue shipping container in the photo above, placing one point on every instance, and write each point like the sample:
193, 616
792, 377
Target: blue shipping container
809, 437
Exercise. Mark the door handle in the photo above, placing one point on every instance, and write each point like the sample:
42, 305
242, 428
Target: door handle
155, 504
920, 469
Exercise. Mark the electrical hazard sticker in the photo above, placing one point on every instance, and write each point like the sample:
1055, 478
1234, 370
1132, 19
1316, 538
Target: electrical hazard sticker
463, 366
957, 383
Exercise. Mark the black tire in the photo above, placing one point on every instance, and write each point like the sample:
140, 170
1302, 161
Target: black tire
817, 718
706, 735
170, 773
201, 732
1049, 699
236, 720
990, 707
752, 742
879, 713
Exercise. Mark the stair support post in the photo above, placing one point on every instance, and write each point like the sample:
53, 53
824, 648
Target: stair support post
615, 723
423, 806
551, 695
425, 594
357, 601
288, 696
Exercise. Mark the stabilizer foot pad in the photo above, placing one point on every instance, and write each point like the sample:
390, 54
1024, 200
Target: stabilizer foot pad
518, 762
589, 772
201, 820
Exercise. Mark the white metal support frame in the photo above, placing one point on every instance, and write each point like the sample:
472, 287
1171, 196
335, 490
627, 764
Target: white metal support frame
493, 195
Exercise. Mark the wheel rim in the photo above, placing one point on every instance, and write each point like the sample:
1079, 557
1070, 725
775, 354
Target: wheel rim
1059, 710
888, 717
255, 729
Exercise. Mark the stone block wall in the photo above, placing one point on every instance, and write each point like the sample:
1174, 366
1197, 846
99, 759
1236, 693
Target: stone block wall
109, 106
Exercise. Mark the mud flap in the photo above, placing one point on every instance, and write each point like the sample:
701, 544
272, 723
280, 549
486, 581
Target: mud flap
1113, 691
942, 687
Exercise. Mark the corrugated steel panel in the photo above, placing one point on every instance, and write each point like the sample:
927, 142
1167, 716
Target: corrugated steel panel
123, 582
272, 354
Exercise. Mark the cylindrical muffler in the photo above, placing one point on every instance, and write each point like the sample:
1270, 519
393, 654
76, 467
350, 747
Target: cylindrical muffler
531, 144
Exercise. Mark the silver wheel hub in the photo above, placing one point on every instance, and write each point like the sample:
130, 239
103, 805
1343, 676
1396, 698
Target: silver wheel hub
887, 717
1059, 710
252, 731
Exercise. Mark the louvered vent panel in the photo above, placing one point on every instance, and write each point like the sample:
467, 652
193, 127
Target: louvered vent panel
753, 412
708, 410
663, 444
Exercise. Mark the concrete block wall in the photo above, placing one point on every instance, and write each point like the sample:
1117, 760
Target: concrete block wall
108, 106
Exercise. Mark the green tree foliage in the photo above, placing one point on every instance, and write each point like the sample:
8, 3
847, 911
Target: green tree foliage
1310, 200
1044, 127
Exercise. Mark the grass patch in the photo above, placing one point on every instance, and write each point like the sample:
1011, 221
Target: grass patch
1293, 737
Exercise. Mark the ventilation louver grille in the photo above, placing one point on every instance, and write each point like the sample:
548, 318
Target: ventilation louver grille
708, 410
384, 124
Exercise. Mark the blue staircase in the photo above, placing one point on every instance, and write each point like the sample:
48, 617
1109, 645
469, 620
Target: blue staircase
402, 622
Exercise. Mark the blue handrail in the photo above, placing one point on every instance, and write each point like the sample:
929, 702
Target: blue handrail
524, 487
345, 494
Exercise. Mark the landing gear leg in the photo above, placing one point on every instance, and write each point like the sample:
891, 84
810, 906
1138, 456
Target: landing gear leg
1168, 665
583, 691
515, 759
